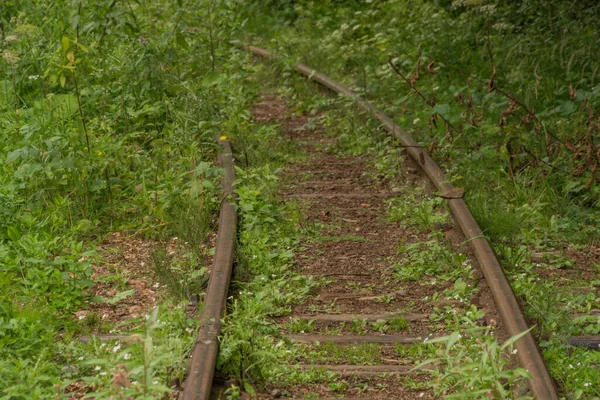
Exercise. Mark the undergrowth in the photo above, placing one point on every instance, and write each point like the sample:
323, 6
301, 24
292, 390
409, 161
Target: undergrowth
505, 96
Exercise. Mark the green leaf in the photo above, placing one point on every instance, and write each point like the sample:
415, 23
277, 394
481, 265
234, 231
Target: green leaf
211, 79
249, 389
14, 233
442, 109
118, 297
65, 44
566, 108
181, 42
13, 155
513, 339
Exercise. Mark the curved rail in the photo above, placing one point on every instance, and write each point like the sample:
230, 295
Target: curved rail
540, 384
204, 358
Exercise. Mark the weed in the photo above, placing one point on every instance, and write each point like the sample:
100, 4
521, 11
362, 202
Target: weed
297, 325
414, 209
399, 324
467, 374
358, 326
433, 259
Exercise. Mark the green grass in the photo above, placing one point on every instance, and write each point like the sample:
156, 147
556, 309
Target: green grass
108, 113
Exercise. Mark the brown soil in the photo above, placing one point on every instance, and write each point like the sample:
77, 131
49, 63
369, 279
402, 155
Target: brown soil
354, 253
130, 259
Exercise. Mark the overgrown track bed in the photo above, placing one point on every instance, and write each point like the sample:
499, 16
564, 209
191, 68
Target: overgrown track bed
352, 198
204, 357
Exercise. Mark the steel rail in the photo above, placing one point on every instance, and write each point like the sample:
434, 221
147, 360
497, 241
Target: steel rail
541, 384
204, 357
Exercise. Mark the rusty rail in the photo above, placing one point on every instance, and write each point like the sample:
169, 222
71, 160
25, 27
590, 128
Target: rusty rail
540, 384
204, 358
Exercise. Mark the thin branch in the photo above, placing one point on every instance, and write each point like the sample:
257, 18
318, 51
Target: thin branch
506, 94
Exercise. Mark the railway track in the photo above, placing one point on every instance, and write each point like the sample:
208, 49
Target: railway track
204, 357
358, 309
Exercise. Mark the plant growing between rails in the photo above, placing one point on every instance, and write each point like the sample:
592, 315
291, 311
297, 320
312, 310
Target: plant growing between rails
476, 366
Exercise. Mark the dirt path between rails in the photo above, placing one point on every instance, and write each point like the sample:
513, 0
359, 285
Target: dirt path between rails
362, 324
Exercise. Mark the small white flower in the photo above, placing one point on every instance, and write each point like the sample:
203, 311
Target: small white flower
116, 348
34, 77
103, 373
127, 356
81, 317
80, 358
416, 121
586, 384
98, 368
156, 285
155, 382
514, 351
102, 345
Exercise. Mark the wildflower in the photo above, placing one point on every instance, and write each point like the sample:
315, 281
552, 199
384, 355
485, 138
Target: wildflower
11, 57
98, 368
156, 285
416, 121
127, 356
11, 39
81, 317
103, 373
116, 348
514, 351
33, 77
155, 382
80, 358
586, 384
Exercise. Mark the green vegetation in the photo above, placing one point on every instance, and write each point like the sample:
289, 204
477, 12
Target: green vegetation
108, 113
506, 96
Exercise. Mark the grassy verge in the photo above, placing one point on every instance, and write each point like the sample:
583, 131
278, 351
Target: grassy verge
108, 113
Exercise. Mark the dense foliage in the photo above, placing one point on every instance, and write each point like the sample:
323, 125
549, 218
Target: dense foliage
505, 95
108, 113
